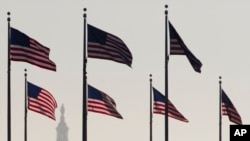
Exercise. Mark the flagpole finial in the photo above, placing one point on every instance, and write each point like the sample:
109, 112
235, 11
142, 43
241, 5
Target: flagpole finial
25, 72
8, 19
220, 79
85, 10
150, 75
166, 6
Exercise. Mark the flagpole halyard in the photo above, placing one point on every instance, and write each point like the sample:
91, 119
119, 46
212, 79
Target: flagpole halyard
8, 83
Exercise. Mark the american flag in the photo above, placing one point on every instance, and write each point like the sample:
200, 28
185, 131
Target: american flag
229, 110
159, 107
103, 45
26, 49
177, 47
100, 102
41, 101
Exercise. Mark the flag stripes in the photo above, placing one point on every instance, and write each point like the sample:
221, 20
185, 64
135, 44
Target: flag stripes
159, 107
178, 47
103, 45
41, 101
100, 102
26, 49
229, 110
175, 47
100, 107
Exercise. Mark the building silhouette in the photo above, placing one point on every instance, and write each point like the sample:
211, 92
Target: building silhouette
62, 129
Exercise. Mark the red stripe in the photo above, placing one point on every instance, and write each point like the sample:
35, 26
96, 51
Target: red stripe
159, 108
102, 50
232, 114
21, 54
36, 45
32, 56
45, 104
103, 108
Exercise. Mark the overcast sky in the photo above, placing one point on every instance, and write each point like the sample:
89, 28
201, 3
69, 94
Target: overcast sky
217, 33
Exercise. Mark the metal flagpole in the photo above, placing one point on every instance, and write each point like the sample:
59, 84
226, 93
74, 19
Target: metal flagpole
8, 89
25, 105
150, 115
84, 119
220, 119
166, 73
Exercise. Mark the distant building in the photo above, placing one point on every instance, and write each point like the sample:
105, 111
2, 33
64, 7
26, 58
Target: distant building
62, 129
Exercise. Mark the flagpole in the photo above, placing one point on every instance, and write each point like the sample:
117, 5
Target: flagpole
9, 92
166, 73
84, 120
220, 118
150, 115
25, 105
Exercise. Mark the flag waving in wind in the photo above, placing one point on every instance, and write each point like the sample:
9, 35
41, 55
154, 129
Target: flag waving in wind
229, 109
26, 49
103, 45
159, 107
41, 101
100, 102
177, 47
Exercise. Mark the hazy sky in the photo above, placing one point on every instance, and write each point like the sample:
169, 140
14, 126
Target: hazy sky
217, 32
